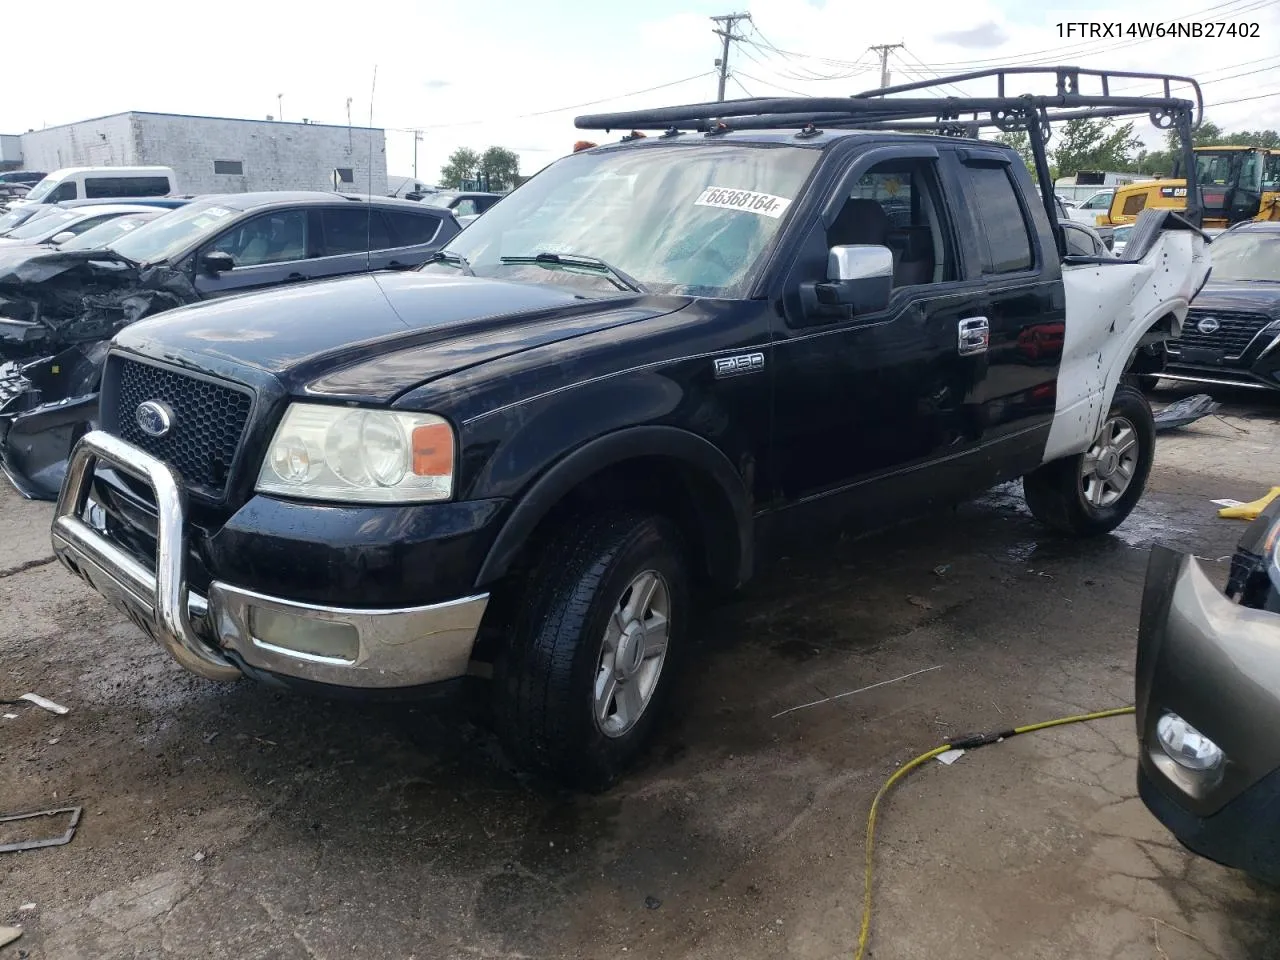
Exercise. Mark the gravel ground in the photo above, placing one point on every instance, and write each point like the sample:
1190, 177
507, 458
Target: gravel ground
232, 821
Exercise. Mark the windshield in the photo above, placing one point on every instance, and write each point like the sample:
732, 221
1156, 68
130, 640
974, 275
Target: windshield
47, 226
104, 233
1252, 255
14, 217
43, 188
679, 219
171, 234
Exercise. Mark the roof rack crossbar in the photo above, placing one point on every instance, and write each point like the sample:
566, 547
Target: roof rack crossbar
875, 104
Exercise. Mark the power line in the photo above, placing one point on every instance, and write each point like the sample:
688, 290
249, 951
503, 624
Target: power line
812, 75
927, 74
1260, 96
734, 78
543, 113
767, 83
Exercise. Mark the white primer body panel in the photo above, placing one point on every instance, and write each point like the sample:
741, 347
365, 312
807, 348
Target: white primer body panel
1109, 309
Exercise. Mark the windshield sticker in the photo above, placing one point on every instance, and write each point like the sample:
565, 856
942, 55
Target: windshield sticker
217, 211
764, 204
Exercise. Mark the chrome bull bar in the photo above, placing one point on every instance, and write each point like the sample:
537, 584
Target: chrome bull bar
160, 604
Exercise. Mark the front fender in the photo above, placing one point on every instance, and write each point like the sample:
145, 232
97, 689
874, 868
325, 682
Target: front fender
731, 561
1110, 308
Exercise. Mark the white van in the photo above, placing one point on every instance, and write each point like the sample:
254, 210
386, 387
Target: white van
101, 183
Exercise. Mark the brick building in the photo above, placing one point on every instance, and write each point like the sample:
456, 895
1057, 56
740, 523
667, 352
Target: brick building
218, 154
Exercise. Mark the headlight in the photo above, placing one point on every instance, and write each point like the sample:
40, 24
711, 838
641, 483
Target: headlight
342, 453
1186, 745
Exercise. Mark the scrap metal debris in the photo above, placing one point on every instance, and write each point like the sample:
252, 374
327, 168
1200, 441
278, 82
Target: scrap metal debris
1185, 411
39, 701
49, 842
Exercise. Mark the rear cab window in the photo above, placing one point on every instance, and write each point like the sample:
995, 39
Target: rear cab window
1004, 243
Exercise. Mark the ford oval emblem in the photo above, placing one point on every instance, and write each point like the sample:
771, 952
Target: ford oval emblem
1208, 325
155, 419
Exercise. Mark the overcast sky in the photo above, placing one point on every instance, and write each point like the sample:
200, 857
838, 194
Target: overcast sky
473, 73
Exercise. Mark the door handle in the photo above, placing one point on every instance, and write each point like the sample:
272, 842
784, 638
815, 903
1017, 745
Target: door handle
975, 336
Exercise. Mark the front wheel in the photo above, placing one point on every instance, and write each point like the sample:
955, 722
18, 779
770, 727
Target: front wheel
583, 675
1094, 492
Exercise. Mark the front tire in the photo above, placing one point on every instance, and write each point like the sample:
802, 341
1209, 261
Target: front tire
1094, 492
583, 676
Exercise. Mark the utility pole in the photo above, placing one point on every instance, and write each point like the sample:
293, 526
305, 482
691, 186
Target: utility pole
728, 22
280, 105
417, 138
884, 50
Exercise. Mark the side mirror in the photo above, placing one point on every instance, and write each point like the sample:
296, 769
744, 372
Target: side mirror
859, 280
217, 262
62, 237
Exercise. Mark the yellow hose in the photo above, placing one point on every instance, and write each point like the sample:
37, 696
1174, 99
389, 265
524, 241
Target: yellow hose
966, 743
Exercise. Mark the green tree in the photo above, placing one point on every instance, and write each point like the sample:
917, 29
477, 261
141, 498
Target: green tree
463, 165
1021, 142
501, 166
1209, 135
1085, 144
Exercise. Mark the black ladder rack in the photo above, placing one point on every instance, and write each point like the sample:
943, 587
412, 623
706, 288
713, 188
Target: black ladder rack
886, 109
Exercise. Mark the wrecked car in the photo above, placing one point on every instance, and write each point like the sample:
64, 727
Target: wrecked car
58, 310
513, 470
1208, 701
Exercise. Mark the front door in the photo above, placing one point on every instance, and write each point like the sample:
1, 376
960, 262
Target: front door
863, 404
268, 249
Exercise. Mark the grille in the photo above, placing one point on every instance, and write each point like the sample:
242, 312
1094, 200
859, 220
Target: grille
1233, 336
208, 422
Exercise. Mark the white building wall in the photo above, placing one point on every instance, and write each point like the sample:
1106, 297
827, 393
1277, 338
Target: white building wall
105, 142
273, 155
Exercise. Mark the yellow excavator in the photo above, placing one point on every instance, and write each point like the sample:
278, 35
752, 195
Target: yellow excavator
1237, 183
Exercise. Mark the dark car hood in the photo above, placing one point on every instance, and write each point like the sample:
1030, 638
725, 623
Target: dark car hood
1244, 297
372, 337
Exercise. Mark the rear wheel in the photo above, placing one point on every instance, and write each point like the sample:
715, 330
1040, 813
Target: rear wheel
583, 676
1094, 492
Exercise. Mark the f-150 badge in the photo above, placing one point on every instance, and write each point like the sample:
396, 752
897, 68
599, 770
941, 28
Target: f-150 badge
736, 366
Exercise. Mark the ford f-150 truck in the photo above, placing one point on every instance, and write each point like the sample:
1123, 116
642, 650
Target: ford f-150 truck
652, 365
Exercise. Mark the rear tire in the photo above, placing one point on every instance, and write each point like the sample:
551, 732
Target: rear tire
1094, 492
583, 676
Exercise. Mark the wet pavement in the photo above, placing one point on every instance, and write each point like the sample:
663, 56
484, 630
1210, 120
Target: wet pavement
233, 821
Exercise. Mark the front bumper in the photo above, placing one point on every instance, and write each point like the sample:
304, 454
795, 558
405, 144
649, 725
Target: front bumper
1216, 664
1256, 367
211, 635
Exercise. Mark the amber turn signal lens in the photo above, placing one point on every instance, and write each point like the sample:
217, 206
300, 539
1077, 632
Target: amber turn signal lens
432, 450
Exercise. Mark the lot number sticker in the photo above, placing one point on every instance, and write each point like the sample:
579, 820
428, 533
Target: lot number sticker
764, 204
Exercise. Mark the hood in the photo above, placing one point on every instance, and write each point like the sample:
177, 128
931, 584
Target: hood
372, 337
24, 266
1240, 296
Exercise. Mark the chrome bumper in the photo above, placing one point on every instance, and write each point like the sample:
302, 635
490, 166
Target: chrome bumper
395, 648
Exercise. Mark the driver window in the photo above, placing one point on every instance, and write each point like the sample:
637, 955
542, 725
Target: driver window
271, 238
465, 208
65, 191
895, 205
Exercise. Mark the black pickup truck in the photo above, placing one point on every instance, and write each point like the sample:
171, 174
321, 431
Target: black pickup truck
647, 368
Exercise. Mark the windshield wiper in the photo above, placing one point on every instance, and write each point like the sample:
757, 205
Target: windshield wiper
582, 260
453, 259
